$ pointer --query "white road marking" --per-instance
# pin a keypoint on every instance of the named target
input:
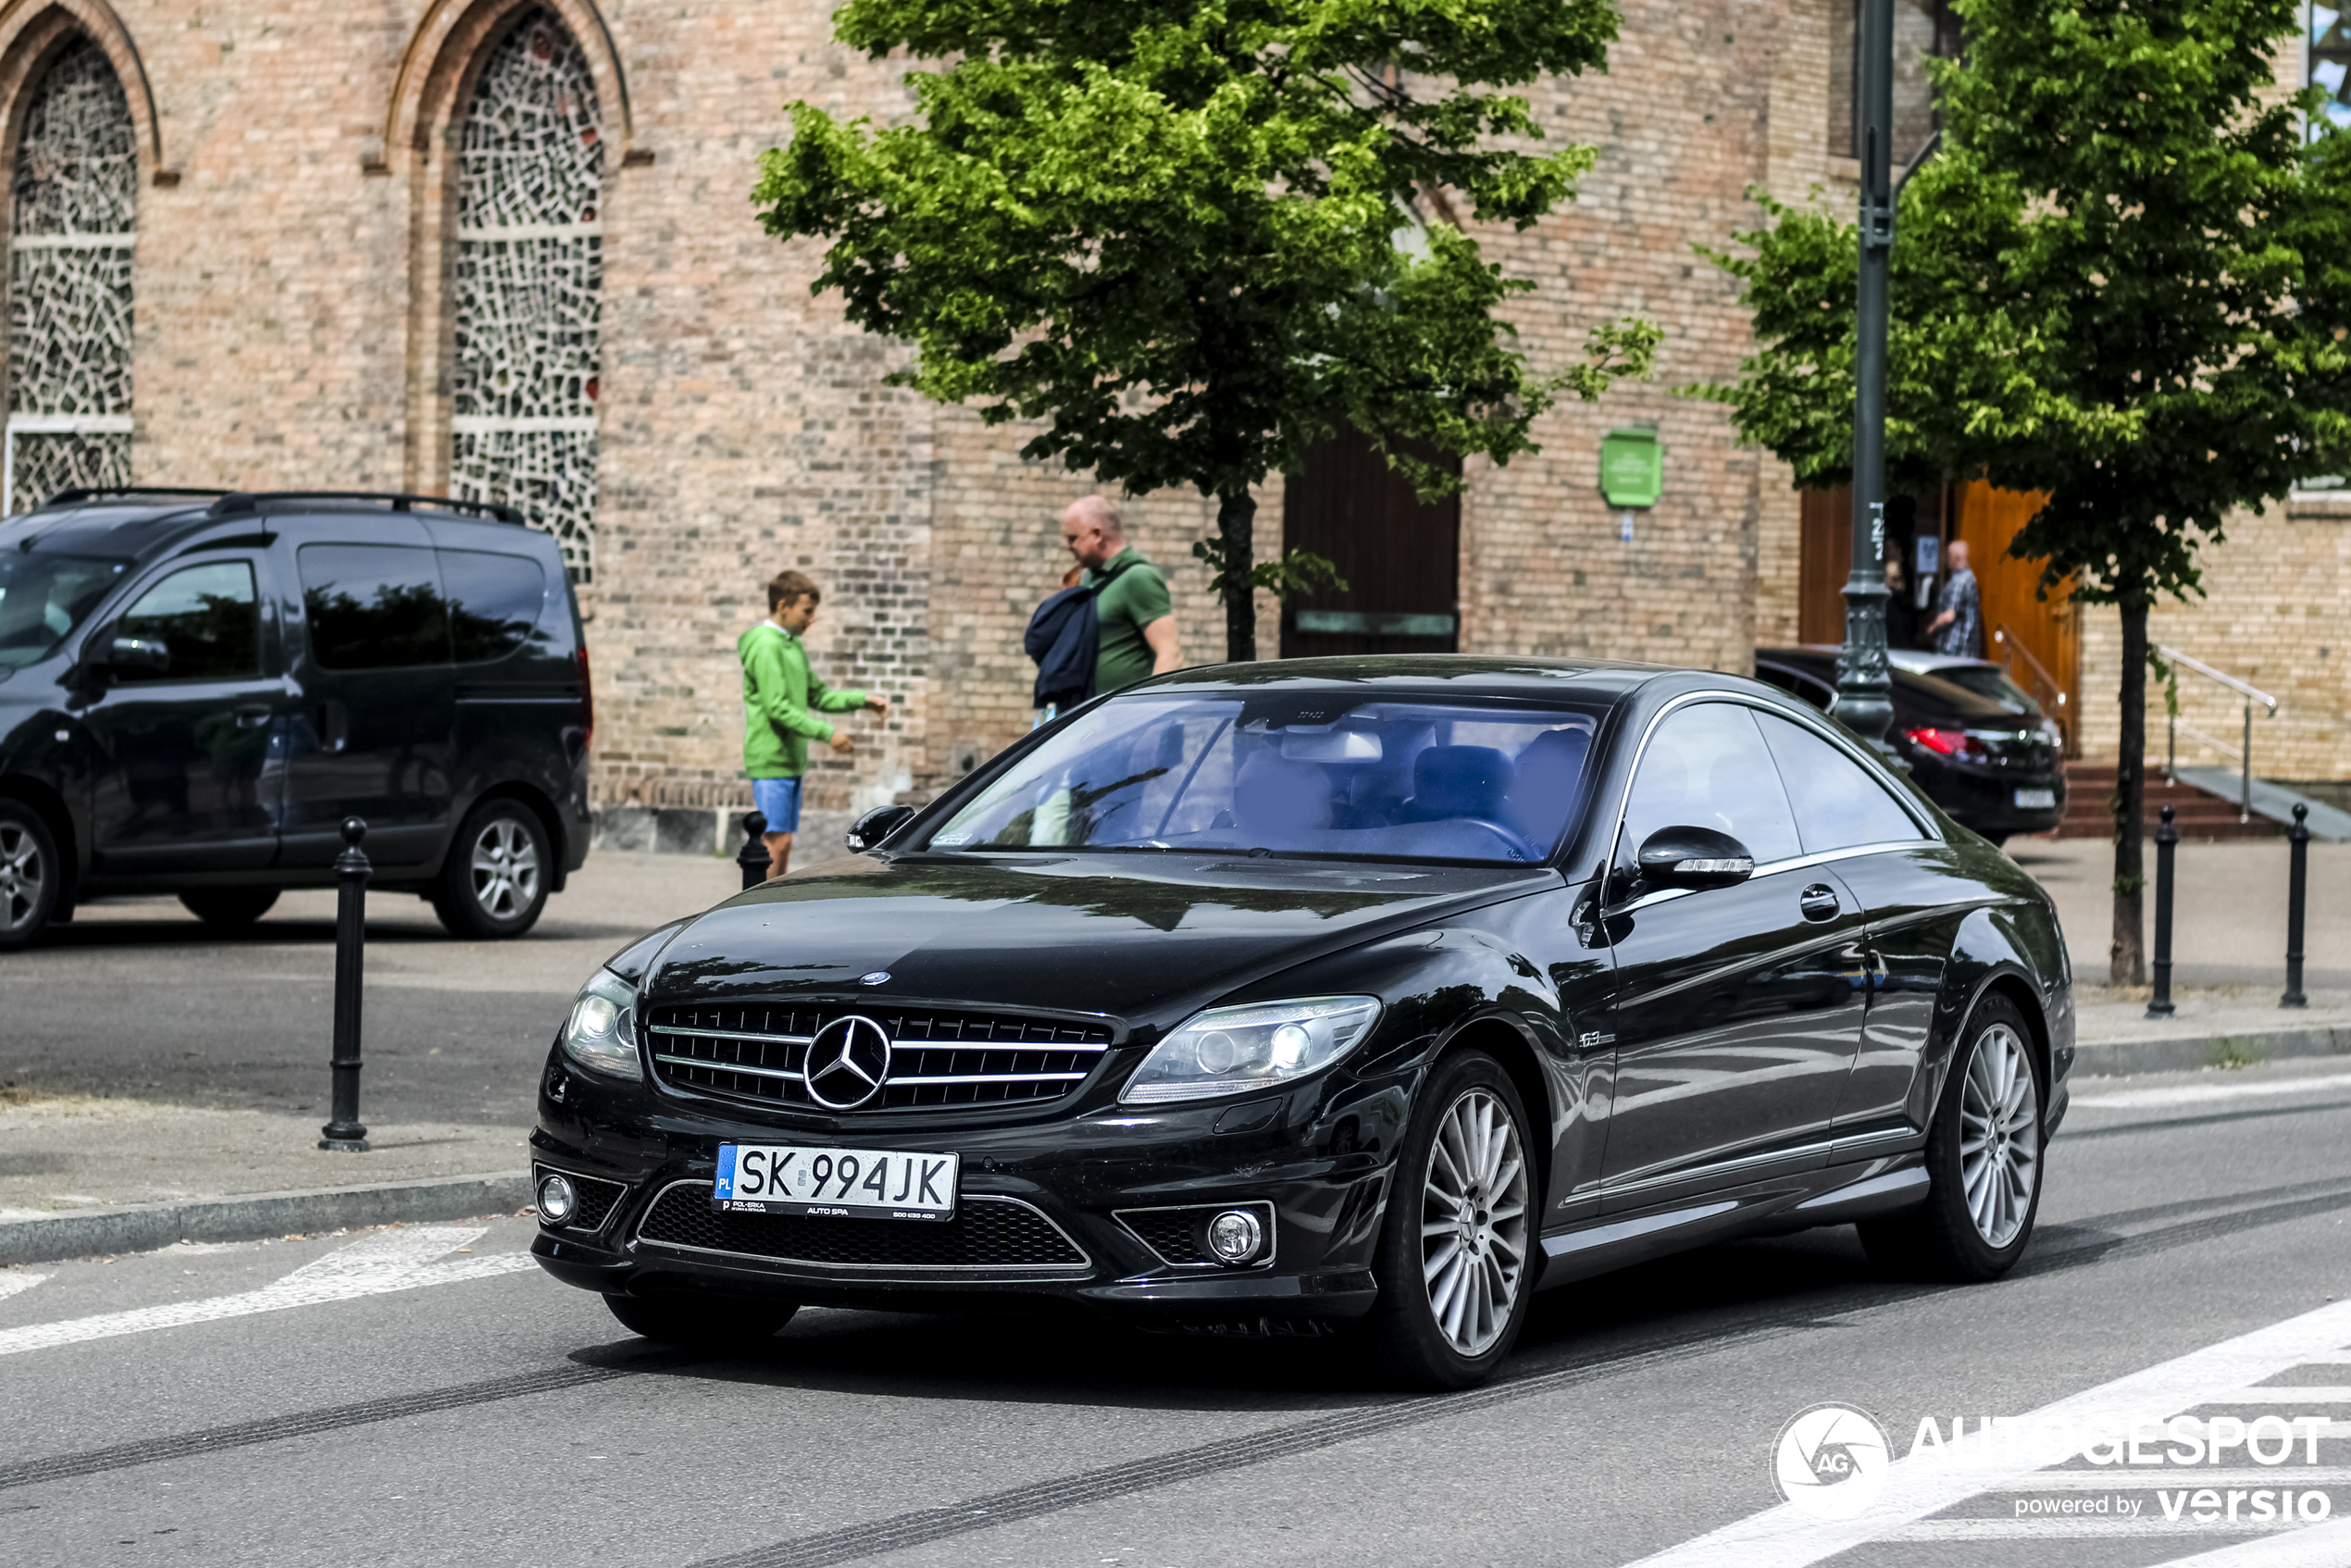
(2321, 1545)
(389, 1260)
(1928, 1481)
(2197, 1094)
(15, 1284)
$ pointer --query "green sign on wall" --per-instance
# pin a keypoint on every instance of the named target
(1632, 466)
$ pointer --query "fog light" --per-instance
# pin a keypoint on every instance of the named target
(558, 1199)
(1234, 1237)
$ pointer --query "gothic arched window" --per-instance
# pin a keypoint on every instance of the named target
(528, 285)
(74, 206)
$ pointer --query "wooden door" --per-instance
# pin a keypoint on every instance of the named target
(1400, 558)
(2039, 639)
(1824, 554)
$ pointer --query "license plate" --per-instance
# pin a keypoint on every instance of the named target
(2037, 800)
(869, 1184)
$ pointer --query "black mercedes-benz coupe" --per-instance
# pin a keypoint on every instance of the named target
(1352, 996)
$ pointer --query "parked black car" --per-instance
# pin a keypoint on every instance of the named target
(197, 689)
(1994, 765)
(1361, 995)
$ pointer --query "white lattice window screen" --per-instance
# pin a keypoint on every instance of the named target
(527, 287)
(74, 205)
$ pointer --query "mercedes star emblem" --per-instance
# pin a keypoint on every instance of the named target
(847, 1062)
(879, 977)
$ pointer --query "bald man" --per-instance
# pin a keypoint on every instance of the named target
(1958, 626)
(1131, 603)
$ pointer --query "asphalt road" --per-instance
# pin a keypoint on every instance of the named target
(425, 1396)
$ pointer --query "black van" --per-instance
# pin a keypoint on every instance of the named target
(197, 689)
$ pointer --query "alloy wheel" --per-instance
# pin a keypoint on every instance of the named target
(1473, 1222)
(1999, 1136)
(505, 868)
(22, 875)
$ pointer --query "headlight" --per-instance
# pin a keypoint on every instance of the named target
(600, 1034)
(1233, 1050)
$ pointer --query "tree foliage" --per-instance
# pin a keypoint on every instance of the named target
(2123, 283)
(1169, 232)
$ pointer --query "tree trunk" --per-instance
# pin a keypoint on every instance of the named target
(1237, 529)
(2128, 965)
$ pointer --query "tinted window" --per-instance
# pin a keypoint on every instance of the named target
(1837, 804)
(200, 624)
(373, 606)
(1796, 685)
(43, 597)
(1295, 772)
(494, 602)
(1706, 766)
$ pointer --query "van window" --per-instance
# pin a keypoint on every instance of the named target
(200, 624)
(494, 602)
(373, 606)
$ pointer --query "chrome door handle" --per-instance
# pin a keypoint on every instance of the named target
(254, 715)
(1819, 902)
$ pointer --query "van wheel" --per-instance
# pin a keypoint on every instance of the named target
(29, 873)
(229, 908)
(493, 882)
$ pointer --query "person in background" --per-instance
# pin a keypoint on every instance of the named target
(1901, 616)
(1957, 626)
(1131, 605)
(782, 700)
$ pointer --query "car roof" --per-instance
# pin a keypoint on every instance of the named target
(1912, 688)
(143, 524)
(1481, 675)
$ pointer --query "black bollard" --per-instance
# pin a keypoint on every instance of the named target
(2298, 885)
(351, 872)
(2167, 843)
(753, 856)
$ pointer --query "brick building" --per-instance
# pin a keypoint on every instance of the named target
(504, 248)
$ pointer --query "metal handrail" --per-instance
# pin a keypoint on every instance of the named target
(2251, 694)
(2048, 683)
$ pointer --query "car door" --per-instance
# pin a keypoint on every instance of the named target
(378, 703)
(1905, 881)
(186, 726)
(1737, 1011)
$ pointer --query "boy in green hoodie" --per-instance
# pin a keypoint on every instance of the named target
(782, 700)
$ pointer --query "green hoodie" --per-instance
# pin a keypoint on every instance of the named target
(782, 700)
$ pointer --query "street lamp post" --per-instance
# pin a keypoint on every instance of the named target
(1863, 686)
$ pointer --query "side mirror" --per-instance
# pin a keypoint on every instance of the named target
(136, 656)
(1694, 857)
(868, 831)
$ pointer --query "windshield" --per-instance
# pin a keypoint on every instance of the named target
(1298, 773)
(43, 598)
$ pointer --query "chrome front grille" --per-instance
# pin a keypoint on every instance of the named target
(937, 1059)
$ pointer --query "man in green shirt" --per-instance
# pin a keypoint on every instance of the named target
(1131, 606)
(782, 700)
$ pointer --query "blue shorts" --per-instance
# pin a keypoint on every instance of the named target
(778, 800)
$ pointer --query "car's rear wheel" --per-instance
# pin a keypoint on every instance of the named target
(493, 882)
(709, 1322)
(29, 873)
(1984, 1160)
(231, 908)
(1455, 1244)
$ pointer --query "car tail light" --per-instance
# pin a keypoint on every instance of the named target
(587, 700)
(1949, 742)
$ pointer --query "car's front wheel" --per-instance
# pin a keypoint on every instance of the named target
(1984, 1160)
(713, 1322)
(29, 873)
(494, 881)
(1455, 1245)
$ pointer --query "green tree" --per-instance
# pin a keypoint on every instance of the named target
(2122, 283)
(1183, 235)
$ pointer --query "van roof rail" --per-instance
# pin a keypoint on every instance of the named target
(235, 501)
(91, 492)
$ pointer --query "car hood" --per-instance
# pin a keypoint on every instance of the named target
(1093, 933)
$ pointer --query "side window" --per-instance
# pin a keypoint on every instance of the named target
(1796, 685)
(1837, 804)
(1705, 766)
(373, 606)
(494, 602)
(200, 624)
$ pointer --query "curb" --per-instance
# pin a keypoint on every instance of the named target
(2181, 1053)
(143, 1227)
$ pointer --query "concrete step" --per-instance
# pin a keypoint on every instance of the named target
(2198, 812)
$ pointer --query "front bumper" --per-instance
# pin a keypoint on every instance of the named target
(1085, 1189)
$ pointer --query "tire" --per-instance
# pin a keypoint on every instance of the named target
(1453, 1300)
(29, 873)
(494, 881)
(707, 1322)
(1985, 1160)
(229, 908)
